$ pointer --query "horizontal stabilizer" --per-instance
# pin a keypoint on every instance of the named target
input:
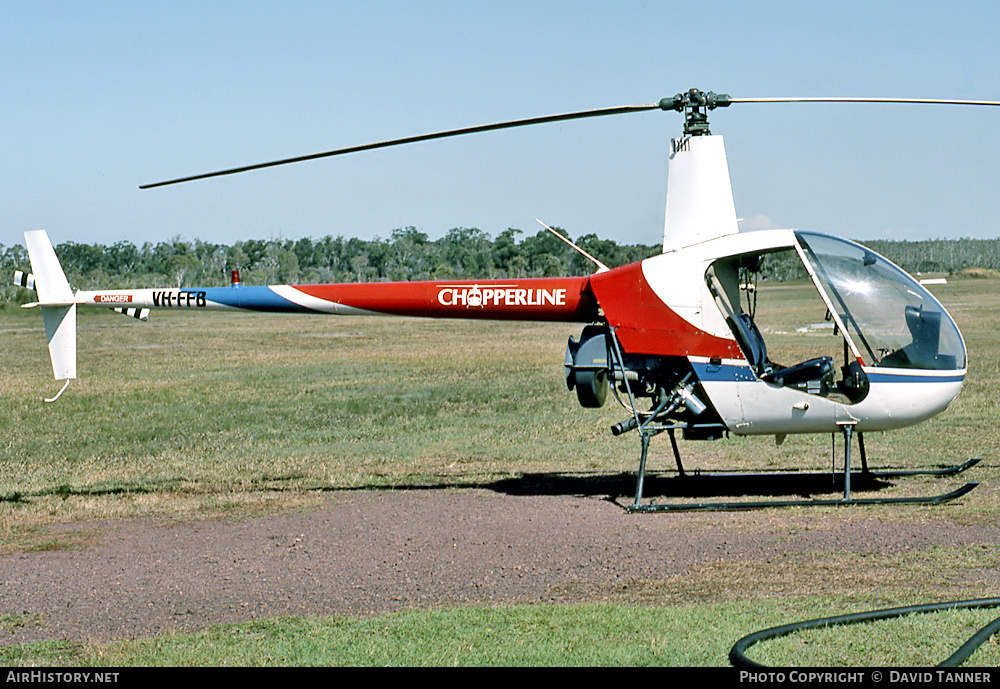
(132, 312)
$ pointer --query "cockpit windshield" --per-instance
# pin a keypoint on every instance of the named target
(892, 320)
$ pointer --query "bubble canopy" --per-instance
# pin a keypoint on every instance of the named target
(890, 318)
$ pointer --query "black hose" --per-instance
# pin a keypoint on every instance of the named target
(738, 657)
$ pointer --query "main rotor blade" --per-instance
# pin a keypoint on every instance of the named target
(824, 99)
(414, 139)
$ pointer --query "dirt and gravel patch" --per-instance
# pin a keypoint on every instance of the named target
(370, 553)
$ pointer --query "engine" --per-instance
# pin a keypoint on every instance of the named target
(594, 365)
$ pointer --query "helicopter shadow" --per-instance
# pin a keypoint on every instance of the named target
(689, 485)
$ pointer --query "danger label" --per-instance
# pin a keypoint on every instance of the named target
(113, 298)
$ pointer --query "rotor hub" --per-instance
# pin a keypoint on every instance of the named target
(695, 105)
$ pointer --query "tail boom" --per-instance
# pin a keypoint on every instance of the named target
(562, 299)
(549, 299)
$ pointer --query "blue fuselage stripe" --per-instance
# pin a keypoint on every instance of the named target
(874, 377)
(254, 298)
(735, 373)
(723, 373)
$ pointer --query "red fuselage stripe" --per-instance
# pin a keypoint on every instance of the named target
(531, 299)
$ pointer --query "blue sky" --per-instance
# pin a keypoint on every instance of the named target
(99, 97)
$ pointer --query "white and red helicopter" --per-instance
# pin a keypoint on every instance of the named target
(676, 329)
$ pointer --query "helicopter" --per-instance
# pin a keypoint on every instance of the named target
(674, 338)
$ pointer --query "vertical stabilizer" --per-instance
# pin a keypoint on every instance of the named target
(58, 304)
(699, 194)
(60, 328)
(50, 280)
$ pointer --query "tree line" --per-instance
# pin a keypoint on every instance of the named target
(408, 254)
(940, 256)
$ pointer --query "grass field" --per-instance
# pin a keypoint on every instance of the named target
(197, 415)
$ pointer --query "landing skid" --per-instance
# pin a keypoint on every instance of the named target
(763, 504)
(952, 470)
(646, 433)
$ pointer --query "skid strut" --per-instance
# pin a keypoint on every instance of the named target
(647, 431)
(848, 429)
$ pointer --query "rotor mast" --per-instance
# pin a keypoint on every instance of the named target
(700, 202)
